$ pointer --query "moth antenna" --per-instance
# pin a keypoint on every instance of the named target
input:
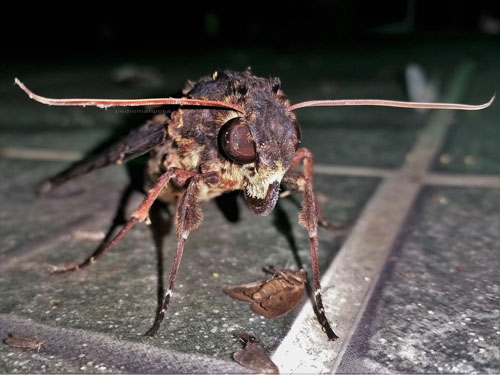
(105, 103)
(390, 103)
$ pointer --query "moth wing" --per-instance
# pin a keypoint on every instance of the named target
(138, 142)
(19, 336)
(243, 292)
(280, 303)
(20, 341)
(254, 358)
(15, 341)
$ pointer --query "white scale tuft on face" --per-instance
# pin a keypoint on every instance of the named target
(257, 184)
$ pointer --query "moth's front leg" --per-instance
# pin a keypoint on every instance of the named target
(308, 218)
(305, 156)
(188, 217)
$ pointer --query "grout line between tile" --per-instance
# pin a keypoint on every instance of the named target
(466, 180)
(346, 170)
(29, 153)
(459, 180)
(435, 179)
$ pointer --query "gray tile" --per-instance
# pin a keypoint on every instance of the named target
(474, 145)
(435, 308)
(355, 140)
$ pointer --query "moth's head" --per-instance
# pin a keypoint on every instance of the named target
(262, 141)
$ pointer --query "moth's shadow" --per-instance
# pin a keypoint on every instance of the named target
(284, 226)
(162, 218)
(161, 225)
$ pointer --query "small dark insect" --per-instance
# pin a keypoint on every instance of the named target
(252, 356)
(17, 340)
(274, 297)
(231, 131)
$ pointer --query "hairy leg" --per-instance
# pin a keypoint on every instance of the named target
(308, 218)
(187, 218)
(303, 155)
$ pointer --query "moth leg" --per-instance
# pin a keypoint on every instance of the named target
(188, 217)
(308, 218)
(276, 272)
(305, 156)
(178, 176)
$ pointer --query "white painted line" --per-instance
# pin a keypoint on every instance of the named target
(346, 170)
(436, 179)
(459, 180)
(465, 180)
(39, 154)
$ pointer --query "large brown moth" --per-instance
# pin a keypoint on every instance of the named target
(231, 131)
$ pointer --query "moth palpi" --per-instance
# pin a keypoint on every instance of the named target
(230, 131)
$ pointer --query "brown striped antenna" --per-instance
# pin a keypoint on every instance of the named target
(106, 103)
(389, 103)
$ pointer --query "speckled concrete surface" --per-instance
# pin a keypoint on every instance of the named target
(436, 308)
(82, 351)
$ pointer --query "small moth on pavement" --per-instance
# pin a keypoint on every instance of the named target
(274, 297)
(17, 340)
(252, 356)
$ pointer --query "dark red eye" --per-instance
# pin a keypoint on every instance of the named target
(298, 134)
(237, 142)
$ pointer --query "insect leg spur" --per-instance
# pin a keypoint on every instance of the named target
(308, 218)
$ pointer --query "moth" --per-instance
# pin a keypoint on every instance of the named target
(252, 356)
(17, 340)
(230, 131)
(274, 297)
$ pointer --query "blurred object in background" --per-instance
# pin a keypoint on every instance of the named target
(489, 25)
(419, 87)
(137, 76)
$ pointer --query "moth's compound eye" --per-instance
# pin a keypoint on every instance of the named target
(236, 142)
(297, 132)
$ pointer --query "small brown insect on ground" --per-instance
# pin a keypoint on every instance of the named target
(274, 297)
(17, 340)
(252, 356)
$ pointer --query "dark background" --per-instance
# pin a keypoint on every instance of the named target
(93, 29)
